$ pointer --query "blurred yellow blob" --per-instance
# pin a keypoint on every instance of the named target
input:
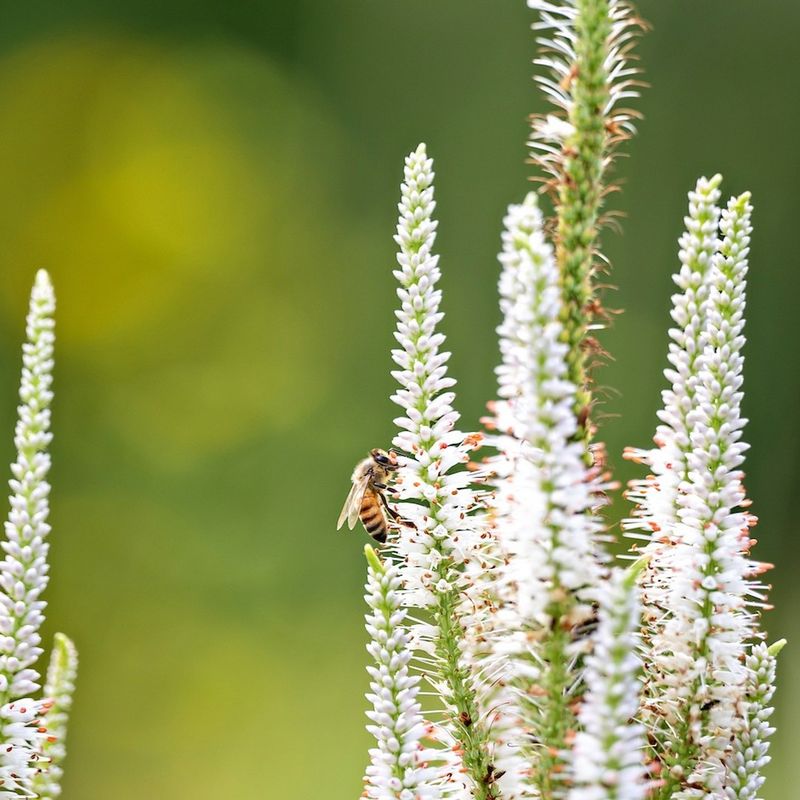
(169, 193)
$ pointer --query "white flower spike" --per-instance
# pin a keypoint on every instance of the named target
(743, 778)
(699, 585)
(59, 688)
(544, 499)
(23, 571)
(398, 767)
(657, 496)
(435, 494)
(608, 760)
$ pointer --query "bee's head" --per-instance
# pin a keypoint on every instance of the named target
(387, 461)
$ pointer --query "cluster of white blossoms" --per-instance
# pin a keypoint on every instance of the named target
(23, 571)
(24, 736)
(700, 587)
(657, 496)
(559, 676)
(436, 499)
(607, 761)
(26, 733)
(543, 522)
(398, 767)
(750, 753)
(544, 493)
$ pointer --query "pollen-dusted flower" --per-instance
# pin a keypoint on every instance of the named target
(608, 755)
(435, 494)
(58, 689)
(544, 498)
(398, 767)
(23, 571)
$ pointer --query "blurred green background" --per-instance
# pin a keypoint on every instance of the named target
(212, 186)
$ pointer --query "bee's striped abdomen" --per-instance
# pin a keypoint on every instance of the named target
(373, 517)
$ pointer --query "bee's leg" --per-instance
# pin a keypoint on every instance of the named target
(384, 488)
(389, 510)
(393, 514)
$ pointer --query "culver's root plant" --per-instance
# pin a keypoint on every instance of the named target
(32, 729)
(552, 672)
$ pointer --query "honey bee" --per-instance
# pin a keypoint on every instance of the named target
(367, 498)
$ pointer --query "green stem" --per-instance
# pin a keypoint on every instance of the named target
(557, 719)
(469, 729)
(580, 193)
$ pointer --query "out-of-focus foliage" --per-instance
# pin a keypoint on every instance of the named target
(212, 186)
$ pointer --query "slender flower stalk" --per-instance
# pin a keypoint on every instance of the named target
(435, 491)
(23, 571)
(743, 778)
(609, 750)
(586, 49)
(657, 497)
(398, 768)
(702, 576)
(544, 497)
(59, 688)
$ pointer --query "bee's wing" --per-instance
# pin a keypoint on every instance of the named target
(352, 506)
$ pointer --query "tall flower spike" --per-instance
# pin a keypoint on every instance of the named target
(657, 496)
(23, 572)
(434, 489)
(609, 750)
(544, 500)
(750, 752)
(700, 586)
(586, 49)
(398, 768)
(58, 688)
